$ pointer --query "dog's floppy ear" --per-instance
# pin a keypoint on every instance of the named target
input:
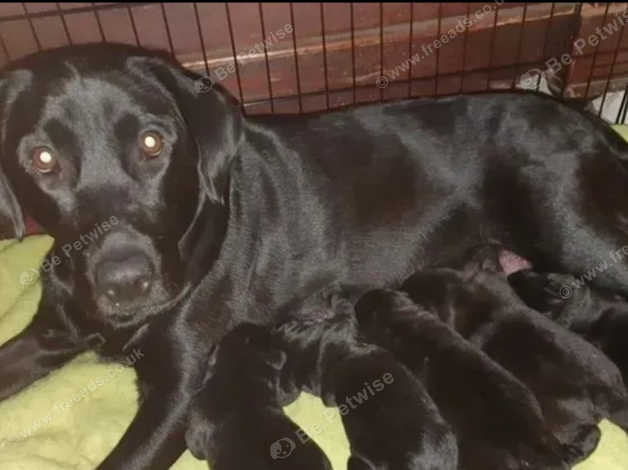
(11, 216)
(212, 115)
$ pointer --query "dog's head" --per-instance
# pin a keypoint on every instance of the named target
(122, 156)
(385, 316)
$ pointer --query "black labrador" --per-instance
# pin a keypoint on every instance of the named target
(575, 384)
(225, 218)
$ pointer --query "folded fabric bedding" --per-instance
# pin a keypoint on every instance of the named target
(73, 417)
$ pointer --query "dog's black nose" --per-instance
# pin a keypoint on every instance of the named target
(124, 281)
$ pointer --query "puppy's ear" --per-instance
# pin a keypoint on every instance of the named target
(211, 114)
(11, 216)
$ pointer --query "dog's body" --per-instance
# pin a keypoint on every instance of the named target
(575, 384)
(497, 421)
(238, 219)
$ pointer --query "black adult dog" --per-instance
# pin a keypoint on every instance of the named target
(224, 218)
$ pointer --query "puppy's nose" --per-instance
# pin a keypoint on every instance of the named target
(124, 281)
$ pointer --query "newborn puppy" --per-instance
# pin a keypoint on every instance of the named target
(496, 419)
(601, 317)
(236, 421)
(574, 382)
(390, 421)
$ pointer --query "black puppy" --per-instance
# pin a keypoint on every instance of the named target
(600, 316)
(390, 420)
(236, 421)
(496, 419)
(575, 384)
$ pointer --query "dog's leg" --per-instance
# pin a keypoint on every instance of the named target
(155, 438)
(169, 368)
(36, 351)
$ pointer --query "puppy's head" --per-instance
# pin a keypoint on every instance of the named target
(379, 311)
(547, 293)
(242, 377)
(122, 157)
(473, 291)
(246, 362)
(568, 300)
(435, 289)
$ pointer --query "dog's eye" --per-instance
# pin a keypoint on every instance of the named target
(151, 143)
(44, 160)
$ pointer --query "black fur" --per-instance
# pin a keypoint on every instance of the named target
(497, 421)
(575, 384)
(390, 420)
(236, 421)
(599, 316)
(243, 218)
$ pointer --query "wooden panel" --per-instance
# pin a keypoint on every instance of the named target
(480, 45)
(38, 7)
(151, 28)
(600, 33)
(83, 27)
(50, 32)
(11, 8)
(18, 38)
(116, 25)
